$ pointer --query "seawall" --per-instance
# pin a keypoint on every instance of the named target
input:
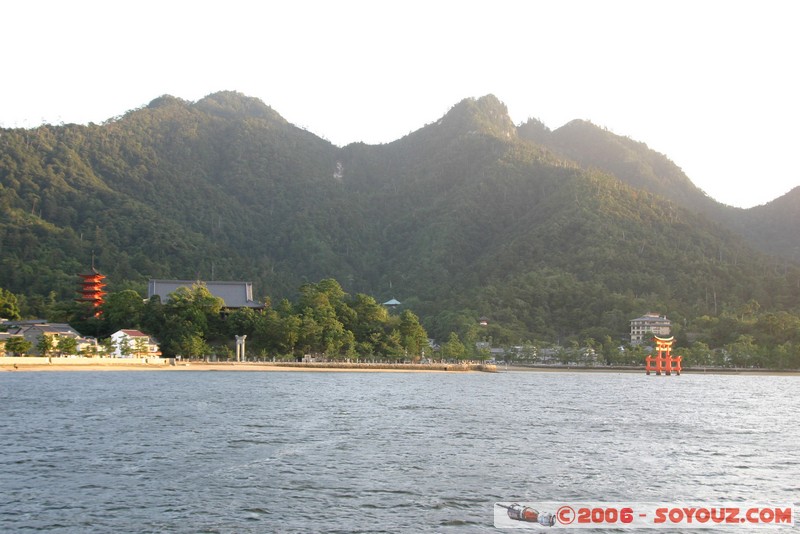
(455, 367)
(23, 362)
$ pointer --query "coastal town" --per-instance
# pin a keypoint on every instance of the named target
(38, 343)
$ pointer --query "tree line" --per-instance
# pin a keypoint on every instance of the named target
(457, 219)
(325, 321)
(192, 323)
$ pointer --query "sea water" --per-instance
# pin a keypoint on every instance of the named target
(238, 452)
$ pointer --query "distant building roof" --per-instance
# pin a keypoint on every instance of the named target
(652, 318)
(233, 294)
(48, 328)
(131, 333)
(393, 302)
(26, 322)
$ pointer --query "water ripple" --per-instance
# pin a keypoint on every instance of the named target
(372, 452)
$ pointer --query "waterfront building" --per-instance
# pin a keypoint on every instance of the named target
(648, 325)
(33, 330)
(129, 343)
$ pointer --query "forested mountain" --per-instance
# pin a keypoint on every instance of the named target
(770, 228)
(548, 233)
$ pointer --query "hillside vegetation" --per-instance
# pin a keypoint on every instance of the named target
(550, 234)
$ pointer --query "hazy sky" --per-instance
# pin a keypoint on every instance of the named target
(711, 84)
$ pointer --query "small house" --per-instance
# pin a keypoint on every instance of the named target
(130, 343)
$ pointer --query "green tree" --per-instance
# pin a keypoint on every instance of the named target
(18, 345)
(777, 328)
(697, 354)
(471, 338)
(140, 347)
(107, 347)
(280, 329)
(244, 321)
(748, 309)
(196, 305)
(123, 309)
(191, 317)
(743, 351)
(309, 333)
(392, 345)
(190, 346)
(9, 308)
(413, 337)
(89, 350)
(291, 326)
(370, 318)
(453, 348)
(125, 348)
(322, 330)
(154, 317)
(610, 351)
(67, 346)
(45, 345)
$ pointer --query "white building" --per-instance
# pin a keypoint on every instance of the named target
(648, 325)
(134, 344)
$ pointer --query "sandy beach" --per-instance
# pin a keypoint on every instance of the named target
(23, 365)
(115, 364)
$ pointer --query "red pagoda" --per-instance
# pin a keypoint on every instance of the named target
(92, 289)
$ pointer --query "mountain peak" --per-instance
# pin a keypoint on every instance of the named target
(534, 130)
(164, 101)
(485, 115)
(236, 105)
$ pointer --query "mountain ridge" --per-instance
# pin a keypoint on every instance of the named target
(464, 217)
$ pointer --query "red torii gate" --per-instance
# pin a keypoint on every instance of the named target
(664, 361)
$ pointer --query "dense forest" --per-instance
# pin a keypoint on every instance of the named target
(558, 237)
(193, 323)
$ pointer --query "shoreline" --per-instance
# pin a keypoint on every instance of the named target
(641, 370)
(118, 364)
(32, 364)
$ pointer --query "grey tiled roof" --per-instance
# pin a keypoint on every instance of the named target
(234, 294)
